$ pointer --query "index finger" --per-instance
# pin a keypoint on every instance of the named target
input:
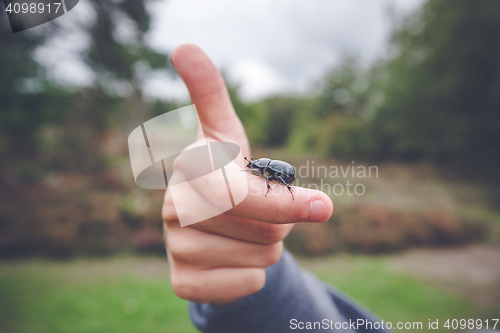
(209, 93)
(278, 207)
(208, 194)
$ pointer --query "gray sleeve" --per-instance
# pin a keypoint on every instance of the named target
(290, 297)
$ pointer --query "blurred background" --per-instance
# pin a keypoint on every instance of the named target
(411, 87)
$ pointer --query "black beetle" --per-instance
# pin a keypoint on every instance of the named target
(275, 170)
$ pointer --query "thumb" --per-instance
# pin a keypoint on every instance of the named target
(209, 94)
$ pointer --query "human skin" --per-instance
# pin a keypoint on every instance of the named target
(222, 259)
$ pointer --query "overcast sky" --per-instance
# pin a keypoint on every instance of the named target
(279, 45)
(269, 46)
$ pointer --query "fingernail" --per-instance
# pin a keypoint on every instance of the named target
(318, 211)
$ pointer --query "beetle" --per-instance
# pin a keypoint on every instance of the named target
(274, 170)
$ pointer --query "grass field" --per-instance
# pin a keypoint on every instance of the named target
(133, 294)
(398, 297)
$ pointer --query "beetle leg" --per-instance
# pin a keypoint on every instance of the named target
(288, 187)
(268, 186)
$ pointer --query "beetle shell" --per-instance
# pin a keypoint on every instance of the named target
(283, 169)
(261, 162)
(274, 170)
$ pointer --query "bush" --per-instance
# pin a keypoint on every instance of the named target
(68, 215)
(351, 139)
(441, 95)
(374, 229)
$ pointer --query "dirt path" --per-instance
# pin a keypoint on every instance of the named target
(472, 270)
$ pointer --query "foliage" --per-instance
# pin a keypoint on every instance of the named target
(374, 229)
(115, 57)
(26, 100)
(442, 95)
(335, 121)
(345, 89)
(79, 214)
(44, 126)
(351, 138)
(252, 117)
(339, 135)
(63, 152)
(69, 144)
(268, 122)
(436, 99)
(280, 112)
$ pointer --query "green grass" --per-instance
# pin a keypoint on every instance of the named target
(34, 300)
(395, 297)
(133, 294)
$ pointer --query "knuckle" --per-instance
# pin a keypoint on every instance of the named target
(274, 233)
(171, 241)
(168, 212)
(178, 163)
(180, 248)
(184, 286)
(273, 254)
(257, 281)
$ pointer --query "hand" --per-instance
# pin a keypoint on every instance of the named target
(223, 258)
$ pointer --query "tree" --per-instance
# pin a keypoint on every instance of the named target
(112, 58)
(442, 95)
(31, 105)
(345, 89)
(26, 100)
